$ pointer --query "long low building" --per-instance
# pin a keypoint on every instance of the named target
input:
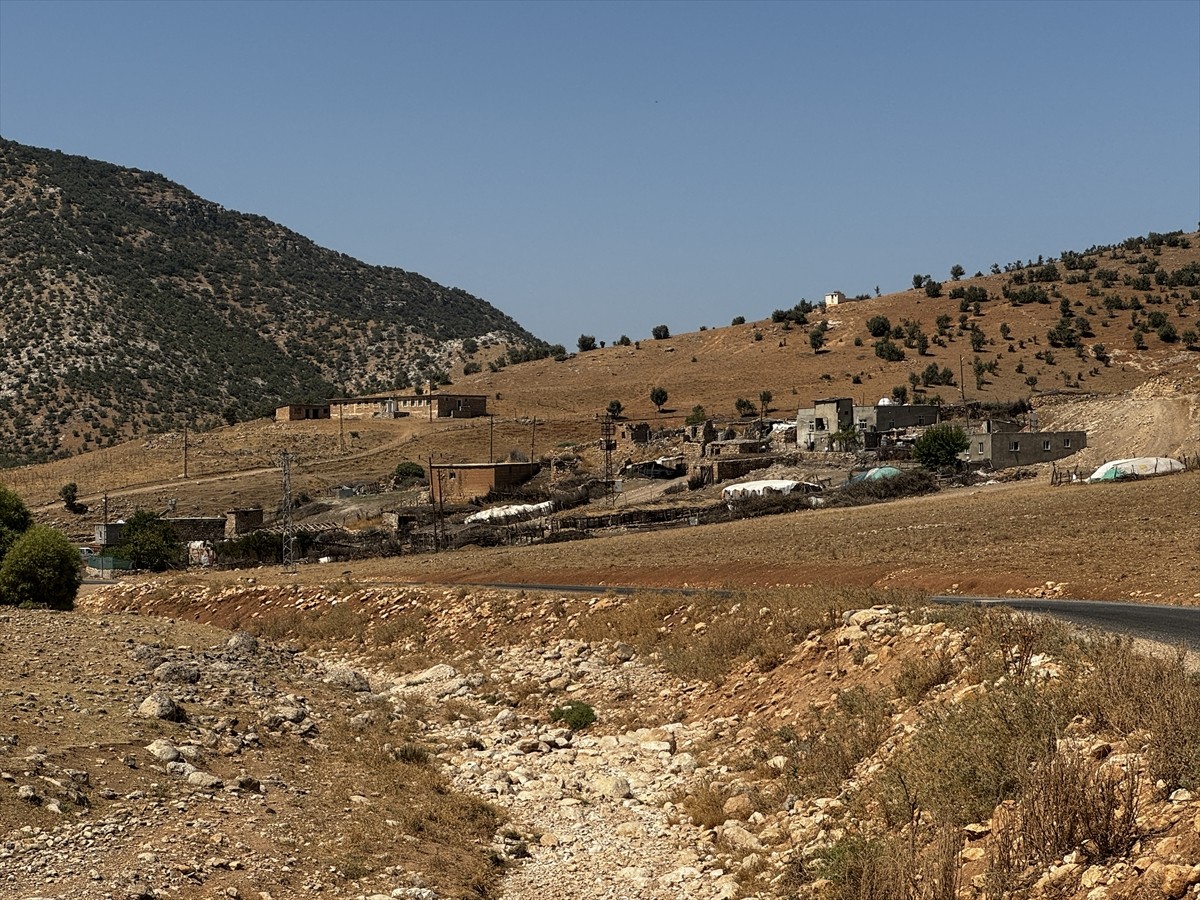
(1007, 449)
(437, 405)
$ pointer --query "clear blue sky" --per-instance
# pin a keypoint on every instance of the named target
(601, 168)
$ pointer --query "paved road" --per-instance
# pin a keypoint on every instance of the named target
(1169, 624)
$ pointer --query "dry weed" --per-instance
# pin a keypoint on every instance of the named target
(1133, 693)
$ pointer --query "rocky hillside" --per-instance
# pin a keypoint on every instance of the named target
(786, 744)
(130, 304)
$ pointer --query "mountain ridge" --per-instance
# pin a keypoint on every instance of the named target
(132, 304)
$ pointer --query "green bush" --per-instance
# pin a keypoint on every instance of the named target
(409, 471)
(939, 446)
(14, 519)
(878, 326)
(886, 349)
(150, 543)
(575, 714)
(41, 568)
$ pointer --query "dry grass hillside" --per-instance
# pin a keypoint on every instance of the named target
(716, 366)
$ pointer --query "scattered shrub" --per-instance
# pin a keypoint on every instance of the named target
(575, 714)
(41, 567)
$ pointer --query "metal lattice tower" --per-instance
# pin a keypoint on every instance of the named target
(285, 512)
(607, 430)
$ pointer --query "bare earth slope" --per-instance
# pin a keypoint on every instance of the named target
(705, 777)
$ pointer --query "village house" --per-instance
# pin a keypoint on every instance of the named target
(833, 298)
(437, 405)
(817, 425)
(1000, 444)
(463, 482)
(298, 412)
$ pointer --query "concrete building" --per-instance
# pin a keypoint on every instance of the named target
(891, 416)
(833, 298)
(297, 412)
(394, 406)
(243, 521)
(817, 424)
(464, 482)
(1005, 449)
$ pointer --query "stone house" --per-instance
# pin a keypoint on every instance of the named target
(463, 482)
(297, 412)
(394, 406)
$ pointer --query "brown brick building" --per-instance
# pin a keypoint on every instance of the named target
(463, 482)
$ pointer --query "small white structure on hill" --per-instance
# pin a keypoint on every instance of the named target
(833, 298)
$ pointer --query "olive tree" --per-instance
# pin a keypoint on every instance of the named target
(939, 446)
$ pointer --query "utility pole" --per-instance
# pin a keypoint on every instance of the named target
(185, 450)
(962, 384)
(533, 441)
(342, 424)
(491, 437)
(289, 528)
(607, 430)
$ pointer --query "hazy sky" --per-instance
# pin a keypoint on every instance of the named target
(601, 168)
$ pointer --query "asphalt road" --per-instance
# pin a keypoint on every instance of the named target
(1168, 624)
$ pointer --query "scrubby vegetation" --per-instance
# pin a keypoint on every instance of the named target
(149, 307)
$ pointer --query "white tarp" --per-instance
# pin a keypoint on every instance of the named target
(498, 515)
(758, 488)
(1142, 466)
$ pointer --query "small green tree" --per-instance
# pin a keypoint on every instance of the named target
(586, 342)
(409, 471)
(658, 396)
(888, 350)
(697, 415)
(933, 288)
(939, 446)
(14, 519)
(738, 320)
(660, 332)
(816, 339)
(977, 338)
(624, 341)
(615, 408)
(743, 406)
(878, 326)
(69, 494)
(979, 368)
(957, 272)
(765, 398)
(41, 567)
(150, 543)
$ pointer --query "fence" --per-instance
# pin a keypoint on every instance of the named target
(1073, 475)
